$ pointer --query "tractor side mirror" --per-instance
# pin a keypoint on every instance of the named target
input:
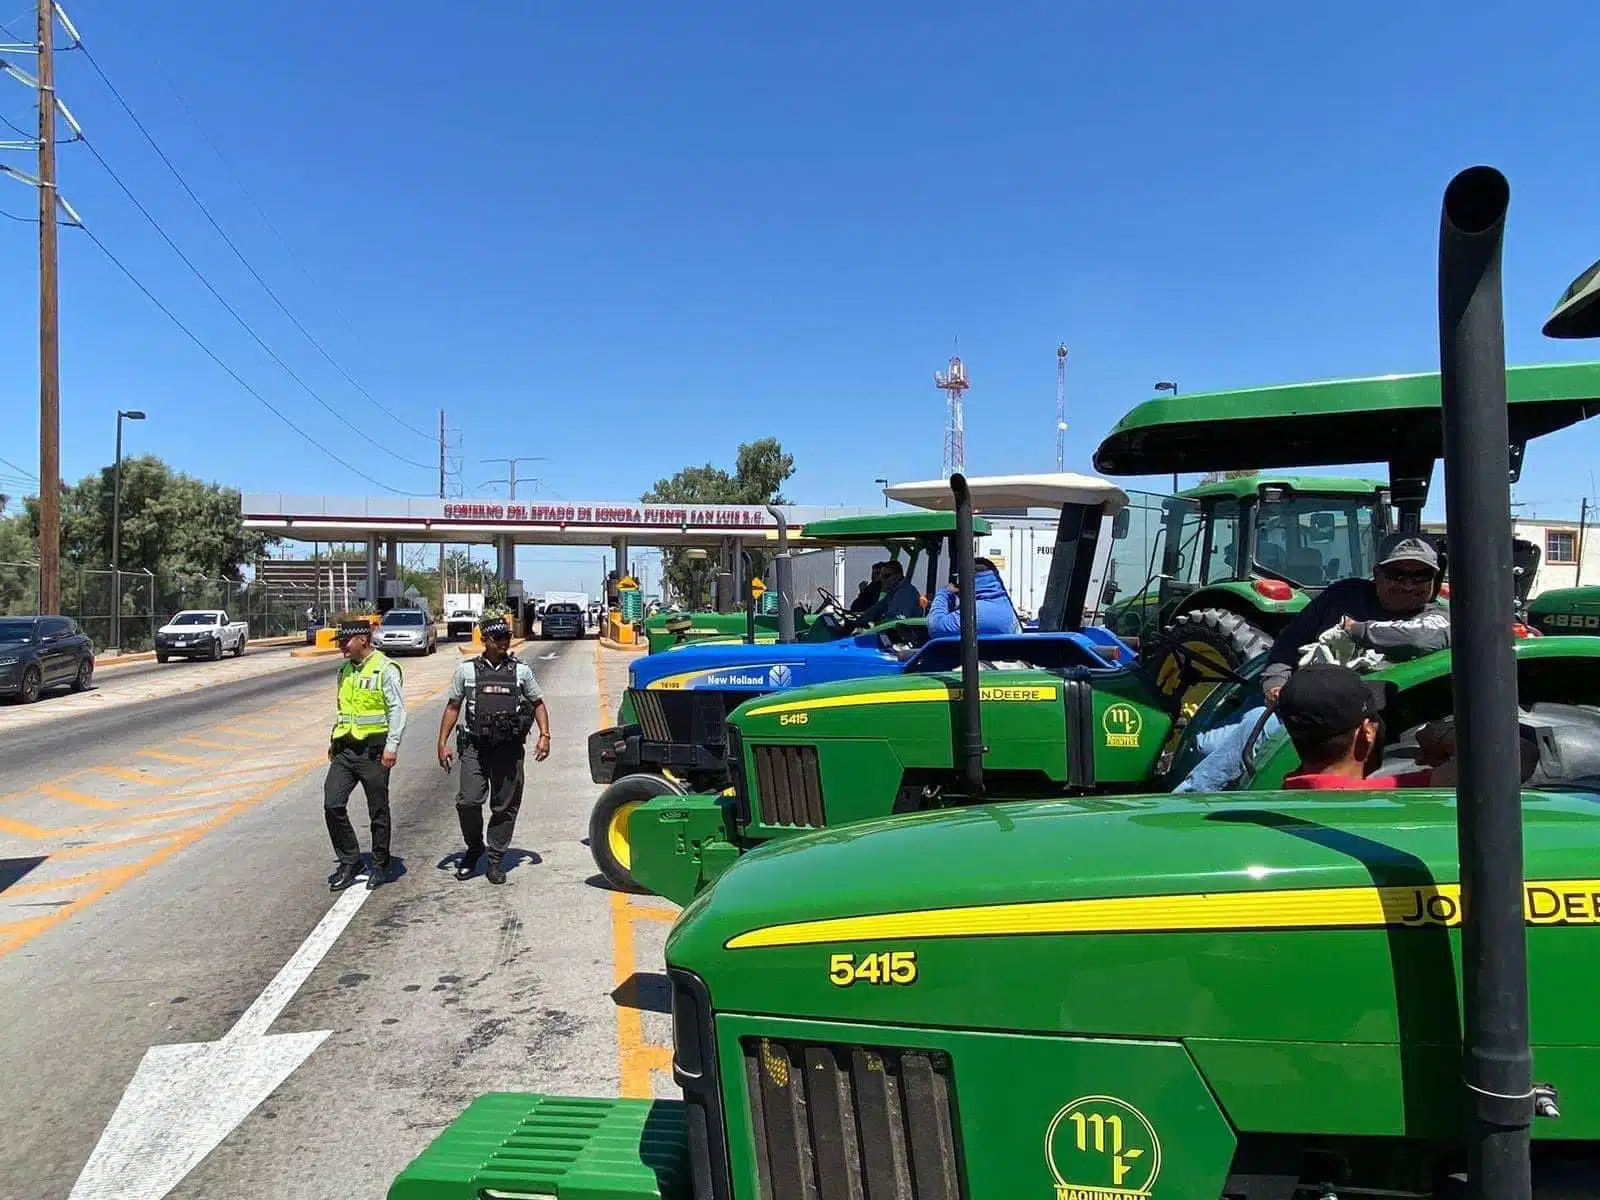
(1577, 313)
(1121, 524)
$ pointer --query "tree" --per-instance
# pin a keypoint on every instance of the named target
(173, 525)
(761, 468)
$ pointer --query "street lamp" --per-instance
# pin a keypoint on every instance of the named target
(885, 483)
(132, 414)
(1167, 385)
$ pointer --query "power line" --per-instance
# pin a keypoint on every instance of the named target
(212, 355)
(239, 254)
(243, 324)
(26, 474)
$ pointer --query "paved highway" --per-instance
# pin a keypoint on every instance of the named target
(189, 1012)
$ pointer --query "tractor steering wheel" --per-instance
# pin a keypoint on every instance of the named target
(829, 600)
(1247, 756)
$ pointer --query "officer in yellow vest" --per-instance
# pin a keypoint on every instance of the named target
(364, 745)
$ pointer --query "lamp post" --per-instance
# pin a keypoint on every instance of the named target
(132, 414)
(1166, 385)
(885, 483)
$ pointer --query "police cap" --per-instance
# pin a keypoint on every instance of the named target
(495, 629)
(350, 629)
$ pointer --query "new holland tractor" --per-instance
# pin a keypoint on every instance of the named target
(1272, 995)
(670, 739)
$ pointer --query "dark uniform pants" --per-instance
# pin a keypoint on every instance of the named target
(353, 763)
(494, 772)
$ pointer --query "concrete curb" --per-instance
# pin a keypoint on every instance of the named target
(124, 660)
(621, 649)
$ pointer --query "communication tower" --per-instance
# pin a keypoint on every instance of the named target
(1061, 407)
(953, 383)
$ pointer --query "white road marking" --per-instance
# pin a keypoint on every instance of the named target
(547, 657)
(184, 1099)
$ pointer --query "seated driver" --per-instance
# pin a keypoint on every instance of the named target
(996, 616)
(900, 599)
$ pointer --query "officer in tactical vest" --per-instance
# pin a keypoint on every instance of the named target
(503, 702)
(364, 745)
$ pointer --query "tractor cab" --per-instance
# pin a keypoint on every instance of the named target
(1234, 560)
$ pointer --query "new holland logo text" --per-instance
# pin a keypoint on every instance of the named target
(1102, 1148)
(780, 676)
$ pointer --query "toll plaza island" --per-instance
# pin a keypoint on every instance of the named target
(384, 524)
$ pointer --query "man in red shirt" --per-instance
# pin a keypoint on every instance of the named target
(1333, 718)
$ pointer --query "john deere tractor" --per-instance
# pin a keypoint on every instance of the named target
(1274, 995)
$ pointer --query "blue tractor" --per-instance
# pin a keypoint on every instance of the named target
(670, 735)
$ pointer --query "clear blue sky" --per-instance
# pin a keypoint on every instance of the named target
(709, 223)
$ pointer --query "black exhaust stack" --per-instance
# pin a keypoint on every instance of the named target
(1497, 1066)
(783, 578)
(971, 699)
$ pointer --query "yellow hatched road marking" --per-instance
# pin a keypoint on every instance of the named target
(83, 799)
(186, 760)
(208, 743)
(241, 731)
(136, 776)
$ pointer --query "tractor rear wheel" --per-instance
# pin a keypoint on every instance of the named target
(609, 841)
(1179, 656)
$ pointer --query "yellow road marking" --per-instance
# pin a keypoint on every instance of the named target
(187, 760)
(241, 731)
(136, 776)
(52, 885)
(83, 799)
(636, 1057)
(208, 743)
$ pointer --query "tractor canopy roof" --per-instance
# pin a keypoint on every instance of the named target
(1388, 417)
(1249, 485)
(885, 527)
(1011, 492)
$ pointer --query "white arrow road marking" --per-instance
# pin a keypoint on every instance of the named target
(547, 657)
(185, 1099)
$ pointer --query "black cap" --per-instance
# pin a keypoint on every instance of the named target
(350, 629)
(494, 629)
(1325, 701)
(1408, 547)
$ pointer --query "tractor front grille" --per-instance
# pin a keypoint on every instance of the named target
(852, 1122)
(789, 786)
(652, 718)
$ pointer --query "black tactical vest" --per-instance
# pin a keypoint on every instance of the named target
(496, 704)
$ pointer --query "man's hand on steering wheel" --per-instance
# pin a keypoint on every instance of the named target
(829, 600)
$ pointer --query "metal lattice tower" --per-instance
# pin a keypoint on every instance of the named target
(1061, 407)
(953, 383)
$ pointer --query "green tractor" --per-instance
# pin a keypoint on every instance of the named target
(1574, 610)
(1234, 559)
(1257, 996)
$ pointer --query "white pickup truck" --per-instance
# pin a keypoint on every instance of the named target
(200, 633)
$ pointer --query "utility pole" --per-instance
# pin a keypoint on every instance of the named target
(1061, 407)
(511, 472)
(49, 327)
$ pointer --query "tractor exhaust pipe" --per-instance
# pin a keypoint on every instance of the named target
(783, 578)
(1497, 1067)
(971, 698)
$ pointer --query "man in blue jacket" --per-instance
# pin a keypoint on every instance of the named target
(996, 615)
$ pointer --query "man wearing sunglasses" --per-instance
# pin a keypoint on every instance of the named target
(1396, 612)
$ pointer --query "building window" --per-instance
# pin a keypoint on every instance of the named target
(1560, 546)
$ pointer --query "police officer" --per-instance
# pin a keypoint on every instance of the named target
(503, 701)
(364, 745)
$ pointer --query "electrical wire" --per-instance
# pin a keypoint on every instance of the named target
(23, 471)
(18, 129)
(23, 220)
(239, 254)
(212, 355)
(243, 324)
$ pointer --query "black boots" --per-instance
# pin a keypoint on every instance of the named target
(494, 872)
(468, 863)
(344, 876)
(377, 876)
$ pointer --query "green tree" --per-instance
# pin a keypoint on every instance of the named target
(19, 571)
(761, 468)
(173, 525)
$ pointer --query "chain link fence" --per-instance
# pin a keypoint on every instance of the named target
(93, 598)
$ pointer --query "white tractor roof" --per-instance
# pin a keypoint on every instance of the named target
(991, 492)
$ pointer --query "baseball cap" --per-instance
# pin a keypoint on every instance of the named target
(1407, 547)
(350, 629)
(495, 629)
(1324, 700)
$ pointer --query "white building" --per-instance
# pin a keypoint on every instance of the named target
(1569, 555)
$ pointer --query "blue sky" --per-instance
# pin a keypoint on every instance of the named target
(708, 223)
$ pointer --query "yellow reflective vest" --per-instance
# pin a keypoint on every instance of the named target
(361, 708)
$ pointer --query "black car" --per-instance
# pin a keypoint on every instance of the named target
(561, 620)
(43, 652)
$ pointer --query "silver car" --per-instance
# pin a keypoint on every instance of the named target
(406, 631)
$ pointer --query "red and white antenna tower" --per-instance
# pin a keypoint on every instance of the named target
(953, 383)
(1061, 407)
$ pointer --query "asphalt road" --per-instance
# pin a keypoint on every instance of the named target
(162, 867)
(114, 677)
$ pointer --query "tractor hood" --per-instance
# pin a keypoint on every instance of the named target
(739, 666)
(1279, 914)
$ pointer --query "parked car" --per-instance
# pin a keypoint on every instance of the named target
(201, 633)
(460, 623)
(561, 619)
(37, 653)
(406, 631)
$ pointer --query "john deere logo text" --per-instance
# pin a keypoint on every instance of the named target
(1123, 725)
(1102, 1148)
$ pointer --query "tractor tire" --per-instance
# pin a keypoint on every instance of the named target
(608, 826)
(1205, 635)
